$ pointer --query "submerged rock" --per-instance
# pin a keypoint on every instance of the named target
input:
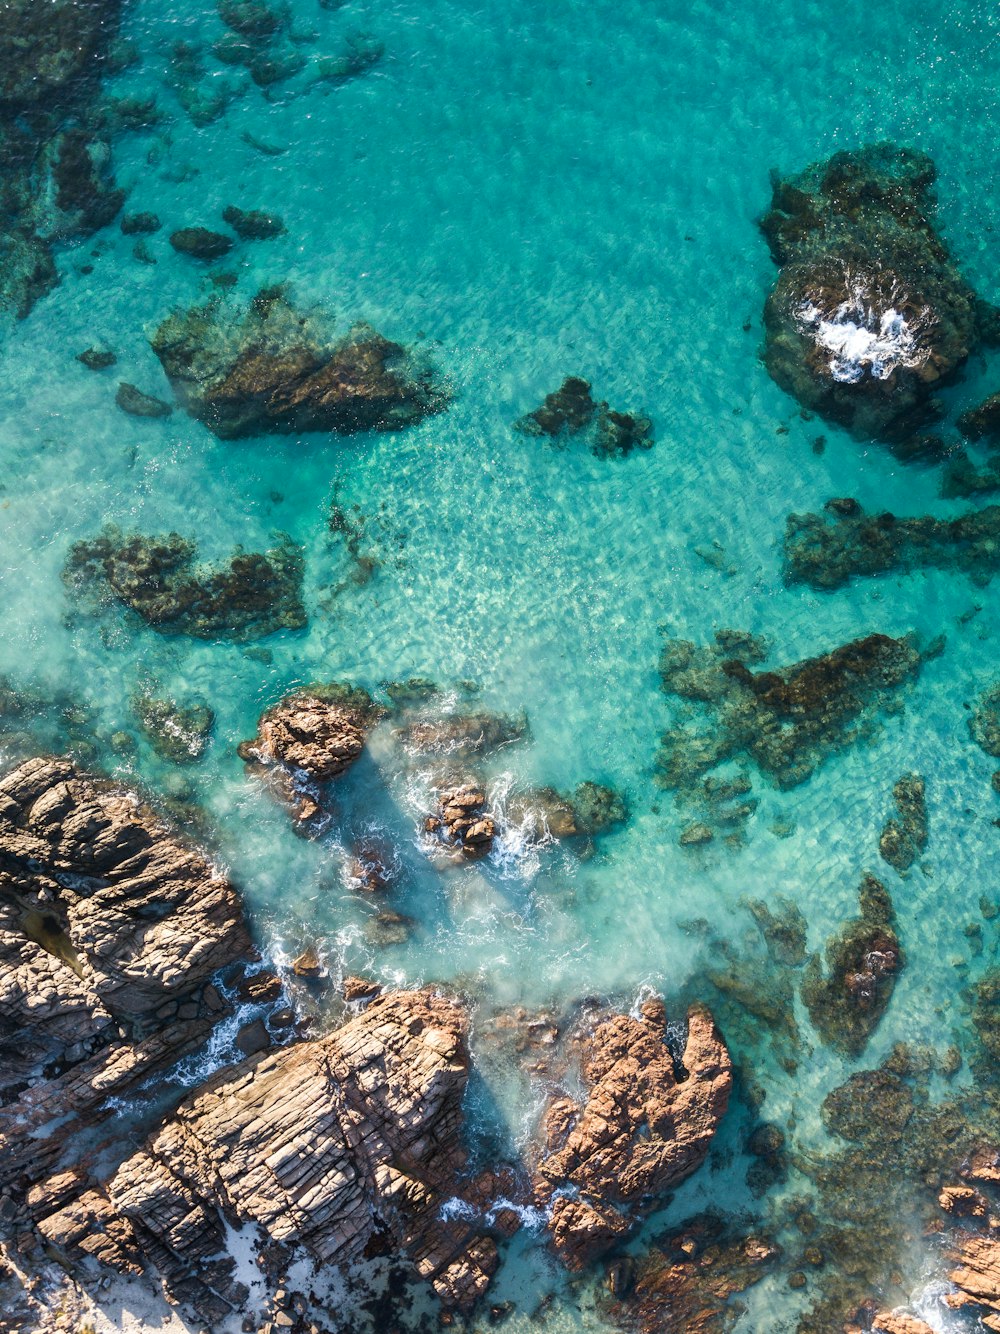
(137, 404)
(828, 550)
(110, 930)
(273, 369)
(640, 1129)
(97, 358)
(982, 421)
(571, 410)
(252, 224)
(984, 721)
(589, 810)
(688, 1279)
(904, 836)
(463, 735)
(306, 740)
(786, 720)
(864, 961)
(200, 243)
(177, 732)
(159, 578)
(869, 314)
(338, 1147)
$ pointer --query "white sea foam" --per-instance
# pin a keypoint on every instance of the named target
(861, 340)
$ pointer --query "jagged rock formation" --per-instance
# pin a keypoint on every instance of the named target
(463, 820)
(828, 550)
(110, 930)
(864, 960)
(256, 594)
(640, 1130)
(869, 314)
(305, 741)
(572, 411)
(272, 369)
(787, 720)
(335, 1146)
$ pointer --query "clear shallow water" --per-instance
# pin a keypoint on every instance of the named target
(532, 191)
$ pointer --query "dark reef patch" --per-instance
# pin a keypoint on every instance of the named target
(870, 314)
(255, 594)
(863, 963)
(178, 732)
(828, 550)
(572, 411)
(273, 369)
(904, 836)
(789, 720)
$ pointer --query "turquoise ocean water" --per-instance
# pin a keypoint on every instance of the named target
(531, 191)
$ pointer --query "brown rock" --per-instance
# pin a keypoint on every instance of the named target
(899, 1322)
(977, 1275)
(308, 964)
(464, 820)
(964, 1202)
(360, 988)
(641, 1130)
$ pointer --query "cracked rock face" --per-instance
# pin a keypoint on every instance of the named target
(641, 1129)
(333, 1146)
(110, 929)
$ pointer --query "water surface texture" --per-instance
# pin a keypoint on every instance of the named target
(528, 191)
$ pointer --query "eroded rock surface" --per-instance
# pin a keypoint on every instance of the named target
(335, 1146)
(641, 1129)
(256, 594)
(272, 369)
(869, 314)
(305, 741)
(110, 930)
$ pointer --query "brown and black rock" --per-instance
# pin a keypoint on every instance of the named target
(644, 1124)
(463, 820)
(571, 410)
(271, 369)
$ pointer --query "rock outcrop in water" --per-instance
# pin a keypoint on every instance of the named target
(271, 368)
(904, 836)
(305, 741)
(56, 181)
(572, 411)
(641, 1128)
(159, 578)
(864, 961)
(869, 315)
(463, 820)
(339, 1147)
(462, 736)
(110, 931)
(827, 550)
(786, 720)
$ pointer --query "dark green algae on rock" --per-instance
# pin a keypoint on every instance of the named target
(159, 578)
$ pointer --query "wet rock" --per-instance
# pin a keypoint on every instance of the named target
(863, 962)
(787, 720)
(640, 1129)
(253, 1037)
(463, 820)
(869, 314)
(308, 964)
(904, 837)
(463, 735)
(272, 369)
(828, 550)
(159, 578)
(899, 1322)
(689, 1278)
(571, 410)
(360, 988)
(976, 1277)
(97, 358)
(110, 930)
(140, 224)
(343, 1143)
(307, 740)
(982, 421)
(137, 404)
(201, 243)
(590, 810)
(252, 225)
(177, 732)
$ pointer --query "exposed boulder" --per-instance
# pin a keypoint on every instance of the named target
(787, 720)
(110, 930)
(159, 578)
(305, 741)
(864, 961)
(976, 1277)
(572, 411)
(463, 820)
(338, 1147)
(642, 1127)
(828, 550)
(273, 369)
(869, 314)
